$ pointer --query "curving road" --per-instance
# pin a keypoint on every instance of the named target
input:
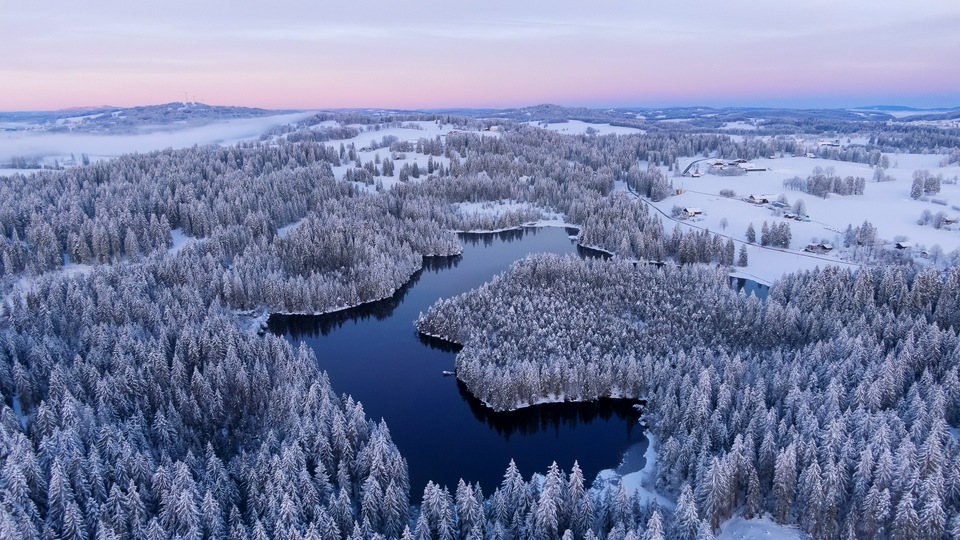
(692, 163)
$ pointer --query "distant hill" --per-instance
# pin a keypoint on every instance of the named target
(950, 114)
(901, 108)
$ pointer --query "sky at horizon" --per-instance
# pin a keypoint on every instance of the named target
(297, 54)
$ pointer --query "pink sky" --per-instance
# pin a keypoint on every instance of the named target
(433, 54)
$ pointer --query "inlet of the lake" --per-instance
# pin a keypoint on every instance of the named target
(374, 353)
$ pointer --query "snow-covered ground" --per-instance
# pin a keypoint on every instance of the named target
(577, 127)
(66, 148)
(636, 481)
(887, 205)
(72, 269)
(904, 113)
(180, 241)
(739, 125)
(642, 481)
(764, 528)
(18, 412)
(283, 231)
(501, 208)
(411, 132)
(253, 321)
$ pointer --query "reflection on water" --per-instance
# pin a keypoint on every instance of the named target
(436, 264)
(749, 286)
(374, 353)
(551, 417)
(487, 239)
(301, 327)
(438, 344)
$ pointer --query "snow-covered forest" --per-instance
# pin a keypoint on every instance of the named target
(138, 404)
(829, 404)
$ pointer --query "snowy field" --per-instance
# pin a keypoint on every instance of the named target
(66, 148)
(577, 127)
(887, 205)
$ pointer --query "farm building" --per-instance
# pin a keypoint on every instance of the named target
(750, 167)
(759, 199)
(818, 248)
(692, 212)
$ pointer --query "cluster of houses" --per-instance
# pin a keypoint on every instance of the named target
(763, 200)
(720, 165)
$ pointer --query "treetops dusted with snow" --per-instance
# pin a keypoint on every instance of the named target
(619, 308)
(142, 410)
(166, 419)
(830, 401)
(824, 182)
(237, 198)
(134, 406)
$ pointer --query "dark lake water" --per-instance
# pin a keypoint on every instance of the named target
(375, 354)
(750, 286)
